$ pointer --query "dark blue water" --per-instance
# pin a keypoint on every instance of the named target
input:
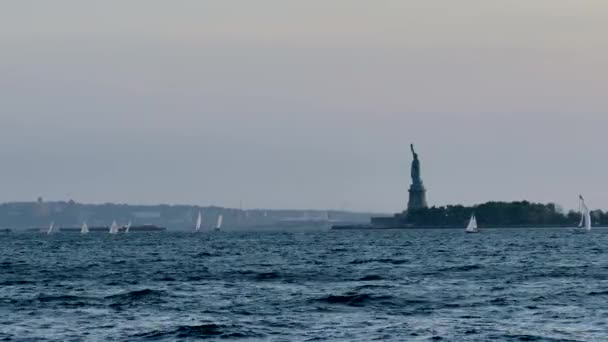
(500, 285)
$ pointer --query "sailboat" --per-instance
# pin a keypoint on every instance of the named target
(114, 228)
(472, 227)
(128, 227)
(585, 223)
(51, 227)
(587, 219)
(328, 220)
(220, 220)
(84, 229)
(199, 222)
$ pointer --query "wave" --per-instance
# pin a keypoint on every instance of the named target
(163, 275)
(119, 282)
(200, 331)
(204, 330)
(352, 300)
(118, 300)
(356, 299)
(267, 275)
(195, 278)
(166, 278)
(43, 298)
(524, 337)
(65, 301)
(372, 286)
(204, 254)
(464, 268)
(260, 276)
(16, 282)
(383, 260)
(500, 301)
(136, 297)
(601, 293)
(46, 299)
(380, 302)
(371, 277)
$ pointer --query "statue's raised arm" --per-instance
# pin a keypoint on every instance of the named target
(413, 152)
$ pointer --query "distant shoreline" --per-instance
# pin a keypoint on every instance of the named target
(370, 227)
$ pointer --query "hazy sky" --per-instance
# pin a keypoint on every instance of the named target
(303, 104)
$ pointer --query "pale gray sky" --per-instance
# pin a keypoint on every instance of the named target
(303, 104)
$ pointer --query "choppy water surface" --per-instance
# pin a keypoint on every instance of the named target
(415, 285)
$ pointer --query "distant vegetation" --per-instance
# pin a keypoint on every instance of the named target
(506, 214)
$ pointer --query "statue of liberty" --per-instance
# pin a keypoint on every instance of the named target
(417, 198)
(415, 167)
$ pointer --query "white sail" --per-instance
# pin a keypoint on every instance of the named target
(587, 216)
(114, 228)
(581, 205)
(220, 220)
(585, 223)
(199, 221)
(128, 227)
(51, 227)
(472, 226)
(588, 219)
(84, 229)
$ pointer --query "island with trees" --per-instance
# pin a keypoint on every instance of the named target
(519, 214)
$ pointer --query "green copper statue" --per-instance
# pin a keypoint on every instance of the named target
(415, 167)
(417, 191)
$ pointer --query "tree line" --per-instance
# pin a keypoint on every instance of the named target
(520, 213)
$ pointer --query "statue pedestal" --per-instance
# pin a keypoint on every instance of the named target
(417, 197)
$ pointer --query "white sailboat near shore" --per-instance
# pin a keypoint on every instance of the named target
(199, 222)
(51, 228)
(220, 221)
(472, 226)
(84, 229)
(114, 228)
(128, 227)
(585, 223)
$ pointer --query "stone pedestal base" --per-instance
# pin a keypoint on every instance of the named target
(417, 198)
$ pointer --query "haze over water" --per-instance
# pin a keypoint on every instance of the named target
(302, 105)
(408, 285)
(307, 104)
